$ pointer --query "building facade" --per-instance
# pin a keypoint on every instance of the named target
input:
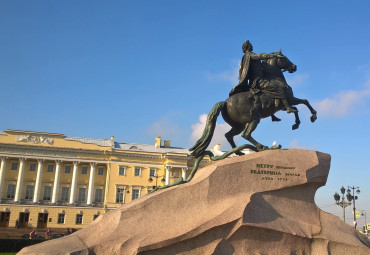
(49, 180)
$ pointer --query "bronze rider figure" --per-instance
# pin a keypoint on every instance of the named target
(251, 78)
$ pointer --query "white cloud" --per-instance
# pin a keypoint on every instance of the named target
(227, 75)
(343, 102)
(165, 128)
(297, 79)
(218, 136)
(296, 145)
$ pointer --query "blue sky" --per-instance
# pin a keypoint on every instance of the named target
(139, 69)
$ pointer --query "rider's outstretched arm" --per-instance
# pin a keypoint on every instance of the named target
(263, 56)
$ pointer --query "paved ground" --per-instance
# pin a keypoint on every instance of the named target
(17, 233)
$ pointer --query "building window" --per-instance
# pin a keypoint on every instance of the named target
(84, 170)
(67, 169)
(81, 195)
(47, 193)
(152, 172)
(32, 167)
(135, 194)
(64, 194)
(79, 219)
(50, 168)
(96, 216)
(28, 192)
(100, 171)
(120, 195)
(98, 195)
(61, 217)
(122, 170)
(10, 192)
(137, 171)
(14, 166)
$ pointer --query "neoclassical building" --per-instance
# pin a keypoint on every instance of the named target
(51, 180)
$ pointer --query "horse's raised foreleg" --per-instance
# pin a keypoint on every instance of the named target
(296, 101)
(297, 120)
(249, 128)
(230, 137)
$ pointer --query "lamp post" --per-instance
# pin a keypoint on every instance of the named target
(352, 197)
(363, 213)
(342, 203)
(156, 180)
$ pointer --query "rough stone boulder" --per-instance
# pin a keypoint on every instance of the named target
(261, 203)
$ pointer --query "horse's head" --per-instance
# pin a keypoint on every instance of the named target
(282, 62)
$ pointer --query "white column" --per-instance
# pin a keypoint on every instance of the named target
(183, 173)
(36, 193)
(18, 188)
(72, 196)
(106, 192)
(91, 183)
(2, 174)
(56, 182)
(168, 175)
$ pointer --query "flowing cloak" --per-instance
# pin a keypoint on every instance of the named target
(244, 73)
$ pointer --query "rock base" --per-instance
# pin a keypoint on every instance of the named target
(261, 203)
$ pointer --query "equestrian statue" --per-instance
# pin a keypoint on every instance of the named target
(261, 92)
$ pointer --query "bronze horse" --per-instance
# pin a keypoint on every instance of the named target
(243, 111)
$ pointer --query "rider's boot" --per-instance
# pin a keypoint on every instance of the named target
(287, 107)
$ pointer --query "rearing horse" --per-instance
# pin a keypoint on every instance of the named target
(243, 111)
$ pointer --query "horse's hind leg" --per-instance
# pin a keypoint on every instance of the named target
(230, 137)
(296, 101)
(249, 128)
(297, 120)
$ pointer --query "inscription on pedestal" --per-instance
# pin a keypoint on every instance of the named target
(270, 172)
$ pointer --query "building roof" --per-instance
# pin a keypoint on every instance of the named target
(104, 142)
(149, 148)
(100, 142)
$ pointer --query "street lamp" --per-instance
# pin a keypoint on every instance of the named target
(342, 203)
(156, 180)
(363, 213)
(352, 197)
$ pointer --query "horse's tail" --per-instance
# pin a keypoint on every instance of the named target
(201, 145)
